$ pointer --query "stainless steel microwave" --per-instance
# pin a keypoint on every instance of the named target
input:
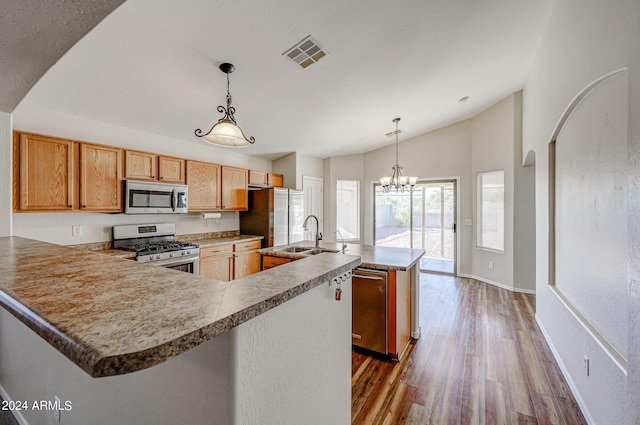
(154, 198)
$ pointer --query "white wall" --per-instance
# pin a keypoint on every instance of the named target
(492, 149)
(295, 165)
(5, 173)
(633, 381)
(274, 369)
(583, 41)
(96, 227)
(443, 153)
(342, 167)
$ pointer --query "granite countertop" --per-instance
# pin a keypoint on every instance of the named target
(208, 242)
(373, 257)
(112, 316)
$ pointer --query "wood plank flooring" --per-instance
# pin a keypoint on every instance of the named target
(481, 360)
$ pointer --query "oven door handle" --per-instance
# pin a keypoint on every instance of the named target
(175, 261)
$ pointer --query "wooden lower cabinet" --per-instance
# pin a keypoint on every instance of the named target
(229, 262)
(246, 259)
(271, 261)
(217, 262)
(399, 305)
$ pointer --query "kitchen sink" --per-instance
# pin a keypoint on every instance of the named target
(299, 249)
(305, 250)
(315, 251)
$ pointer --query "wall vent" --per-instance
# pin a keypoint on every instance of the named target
(306, 52)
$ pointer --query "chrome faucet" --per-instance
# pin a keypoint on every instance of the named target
(344, 245)
(318, 234)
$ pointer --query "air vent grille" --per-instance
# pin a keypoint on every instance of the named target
(306, 52)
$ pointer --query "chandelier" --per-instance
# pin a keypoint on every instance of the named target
(226, 132)
(397, 181)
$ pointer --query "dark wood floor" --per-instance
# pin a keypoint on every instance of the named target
(481, 359)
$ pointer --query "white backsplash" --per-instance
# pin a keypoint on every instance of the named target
(96, 227)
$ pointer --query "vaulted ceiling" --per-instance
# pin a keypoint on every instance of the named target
(152, 65)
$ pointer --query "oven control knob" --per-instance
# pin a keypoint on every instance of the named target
(157, 256)
(188, 252)
(172, 254)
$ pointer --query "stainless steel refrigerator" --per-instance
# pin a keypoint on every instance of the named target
(275, 213)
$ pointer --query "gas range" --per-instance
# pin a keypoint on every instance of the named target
(156, 244)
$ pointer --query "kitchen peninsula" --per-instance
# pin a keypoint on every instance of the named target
(269, 348)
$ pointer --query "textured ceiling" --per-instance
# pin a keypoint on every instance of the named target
(34, 34)
(152, 66)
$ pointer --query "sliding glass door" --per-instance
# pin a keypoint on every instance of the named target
(424, 219)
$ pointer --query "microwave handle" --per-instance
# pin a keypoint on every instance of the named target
(174, 199)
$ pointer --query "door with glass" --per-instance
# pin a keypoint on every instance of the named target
(423, 219)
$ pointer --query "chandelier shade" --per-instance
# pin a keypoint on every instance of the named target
(226, 131)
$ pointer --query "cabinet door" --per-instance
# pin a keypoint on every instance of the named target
(245, 264)
(100, 178)
(269, 261)
(203, 180)
(140, 166)
(276, 180)
(46, 173)
(217, 262)
(171, 170)
(258, 178)
(235, 195)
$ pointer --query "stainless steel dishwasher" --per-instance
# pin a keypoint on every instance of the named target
(369, 302)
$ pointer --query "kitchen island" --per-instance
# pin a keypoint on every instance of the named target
(269, 348)
(400, 299)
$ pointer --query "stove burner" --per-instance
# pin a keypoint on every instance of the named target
(157, 247)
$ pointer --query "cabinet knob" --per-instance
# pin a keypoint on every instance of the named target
(71, 206)
(153, 177)
(84, 206)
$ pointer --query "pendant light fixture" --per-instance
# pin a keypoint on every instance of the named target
(397, 181)
(226, 132)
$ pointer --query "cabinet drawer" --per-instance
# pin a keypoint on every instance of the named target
(216, 250)
(247, 246)
(269, 262)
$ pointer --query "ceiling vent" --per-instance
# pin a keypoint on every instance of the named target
(306, 52)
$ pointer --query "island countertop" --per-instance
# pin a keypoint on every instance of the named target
(373, 257)
(112, 316)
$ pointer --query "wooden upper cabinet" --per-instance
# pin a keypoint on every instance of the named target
(276, 180)
(258, 178)
(171, 170)
(141, 166)
(235, 195)
(100, 178)
(46, 175)
(203, 179)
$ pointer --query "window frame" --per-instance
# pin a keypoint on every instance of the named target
(481, 192)
(357, 205)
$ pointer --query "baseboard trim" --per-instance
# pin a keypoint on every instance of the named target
(498, 284)
(16, 413)
(565, 373)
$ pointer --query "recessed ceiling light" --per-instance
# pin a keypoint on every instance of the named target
(306, 52)
(463, 99)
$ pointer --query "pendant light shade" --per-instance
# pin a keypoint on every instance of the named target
(397, 181)
(226, 132)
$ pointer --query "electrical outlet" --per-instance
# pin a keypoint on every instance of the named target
(76, 230)
(490, 264)
(56, 410)
(586, 365)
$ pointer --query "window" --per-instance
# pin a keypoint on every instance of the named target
(490, 210)
(348, 208)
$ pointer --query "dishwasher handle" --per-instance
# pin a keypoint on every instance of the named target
(361, 276)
